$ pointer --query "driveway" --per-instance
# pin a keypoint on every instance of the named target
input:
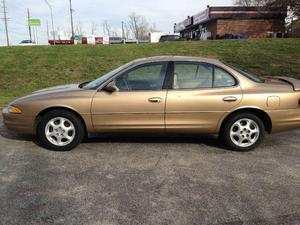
(150, 180)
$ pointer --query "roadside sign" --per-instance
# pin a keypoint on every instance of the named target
(105, 39)
(34, 22)
(91, 39)
(77, 38)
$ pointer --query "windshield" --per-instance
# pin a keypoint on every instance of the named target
(248, 75)
(94, 84)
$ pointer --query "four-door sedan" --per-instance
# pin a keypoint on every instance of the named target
(162, 94)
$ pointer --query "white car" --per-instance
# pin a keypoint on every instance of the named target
(26, 43)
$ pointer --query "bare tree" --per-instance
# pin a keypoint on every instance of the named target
(114, 34)
(138, 26)
(153, 28)
(293, 6)
(79, 28)
(94, 27)
(245, 2)
(106, 28)
(126, 31)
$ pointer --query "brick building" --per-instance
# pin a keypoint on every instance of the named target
(217, 22)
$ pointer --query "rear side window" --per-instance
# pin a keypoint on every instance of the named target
(223, 78)
(201, 75)
(192, 76)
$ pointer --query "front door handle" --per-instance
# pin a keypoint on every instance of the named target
(155, 100)
(230, 99)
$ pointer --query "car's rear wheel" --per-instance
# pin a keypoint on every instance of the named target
(60, 130)
(243, 132)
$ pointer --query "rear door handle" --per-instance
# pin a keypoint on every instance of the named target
(230, 99)
(155, 100)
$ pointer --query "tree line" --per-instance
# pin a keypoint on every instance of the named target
(292, 6)
(136, 27)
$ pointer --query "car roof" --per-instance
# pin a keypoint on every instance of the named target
(176, 58)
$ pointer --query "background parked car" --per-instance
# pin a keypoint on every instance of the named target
(166, 38)
(26, 43)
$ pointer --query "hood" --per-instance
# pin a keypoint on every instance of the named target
(61, 88)
(52, 92)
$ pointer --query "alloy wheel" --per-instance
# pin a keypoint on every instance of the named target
(244, 132)
(60, 131)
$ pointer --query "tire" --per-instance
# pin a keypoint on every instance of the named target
(243, 132)
(60, 130)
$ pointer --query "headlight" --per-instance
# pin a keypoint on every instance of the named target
(14, 110)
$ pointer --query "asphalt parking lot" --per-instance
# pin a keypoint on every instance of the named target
(113, 180)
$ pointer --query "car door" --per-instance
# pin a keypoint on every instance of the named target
(200, 96)
(139, 104)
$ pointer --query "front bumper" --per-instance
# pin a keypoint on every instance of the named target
(18, 122)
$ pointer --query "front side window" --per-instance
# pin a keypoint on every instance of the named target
(148, 77)
(192, 76)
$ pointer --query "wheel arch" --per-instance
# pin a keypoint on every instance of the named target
(46, 110)
(265, 118)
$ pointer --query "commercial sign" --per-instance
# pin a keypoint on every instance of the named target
(188, 22)
(201, 17)
(34, 22)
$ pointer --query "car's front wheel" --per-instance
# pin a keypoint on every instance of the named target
(60, 130)
(243, 132)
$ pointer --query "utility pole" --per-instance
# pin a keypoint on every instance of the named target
(5, 21)
(51, 12)
(48, 32)
(29, 28)
(72, 24)
(123, 34)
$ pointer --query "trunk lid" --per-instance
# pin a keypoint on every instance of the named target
(295, 83)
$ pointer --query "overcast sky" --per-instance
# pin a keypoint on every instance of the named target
(162, 13)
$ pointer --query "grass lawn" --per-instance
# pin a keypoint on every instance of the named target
(26, 69)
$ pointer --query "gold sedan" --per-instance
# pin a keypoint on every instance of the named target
(162, 94)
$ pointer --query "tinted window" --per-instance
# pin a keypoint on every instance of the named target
(223, 79)
(248, 75)
(144, 78)
(94, 84)
(192, 76)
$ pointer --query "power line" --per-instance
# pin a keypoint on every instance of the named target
(5, 21)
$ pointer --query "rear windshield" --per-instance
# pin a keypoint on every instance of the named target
(246, 74)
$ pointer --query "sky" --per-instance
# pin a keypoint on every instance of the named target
(162, 13)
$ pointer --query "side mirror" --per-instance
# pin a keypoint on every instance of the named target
(111, 87)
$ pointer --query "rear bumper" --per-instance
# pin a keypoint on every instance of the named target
(18, 122)
(284, 120)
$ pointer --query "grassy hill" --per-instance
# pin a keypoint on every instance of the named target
(25, 69)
